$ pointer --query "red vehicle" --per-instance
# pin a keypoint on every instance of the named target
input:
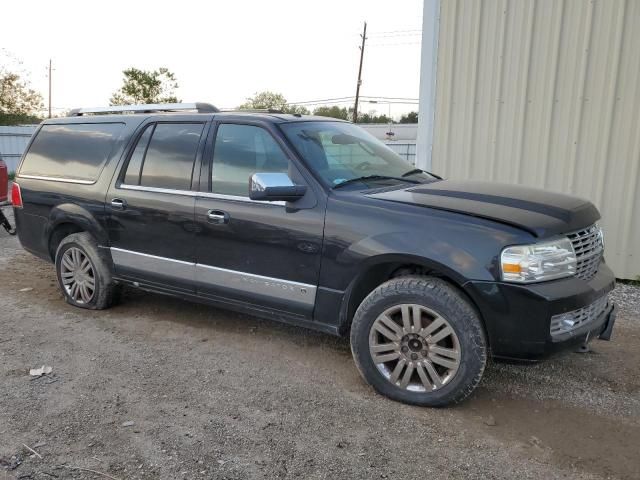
(4, 184)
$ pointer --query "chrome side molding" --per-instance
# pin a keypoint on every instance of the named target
(276, 288)
(299, 293)
(58, 179)
(143, 262)
(192, 193)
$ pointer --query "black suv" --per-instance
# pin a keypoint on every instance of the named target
(313, 222)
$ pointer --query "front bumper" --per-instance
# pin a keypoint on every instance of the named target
(518, 317)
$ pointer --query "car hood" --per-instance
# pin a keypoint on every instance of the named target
(540, 212)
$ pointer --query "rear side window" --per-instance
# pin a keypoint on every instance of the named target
(75, 151)
(164, 156)
(132, 176)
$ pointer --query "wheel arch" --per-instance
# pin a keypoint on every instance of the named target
(379, 269)
(66, 219)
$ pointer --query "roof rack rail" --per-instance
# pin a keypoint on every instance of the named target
(145, 108)
(253, 110)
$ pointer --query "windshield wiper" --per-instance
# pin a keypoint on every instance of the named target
(373, 177)
(417, 170)
(412, 172)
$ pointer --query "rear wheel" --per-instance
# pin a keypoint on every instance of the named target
(83, 272)
(418, 340)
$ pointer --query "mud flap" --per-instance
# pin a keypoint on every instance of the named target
(608, 326)
(5, 224)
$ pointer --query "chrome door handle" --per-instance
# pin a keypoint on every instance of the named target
(217, 216)
(118, 204)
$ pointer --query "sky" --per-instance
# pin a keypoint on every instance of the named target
(220, 51)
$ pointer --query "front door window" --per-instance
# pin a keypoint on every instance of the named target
(239, 152)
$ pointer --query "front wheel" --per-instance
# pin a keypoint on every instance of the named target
(419, 341)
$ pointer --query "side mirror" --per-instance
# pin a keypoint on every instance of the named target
(274, 187)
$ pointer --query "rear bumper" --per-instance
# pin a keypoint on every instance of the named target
(518, 317)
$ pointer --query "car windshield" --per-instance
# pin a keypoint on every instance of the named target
(342, 152)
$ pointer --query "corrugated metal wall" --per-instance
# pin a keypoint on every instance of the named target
(13, 142)
(546, 93)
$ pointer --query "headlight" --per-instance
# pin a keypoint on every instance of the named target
(538, 262)
(601, 234)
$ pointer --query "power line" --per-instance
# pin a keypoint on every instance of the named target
(397, 31)
(389, 98)
(396, 35)
(394, 44)
(336, 102)
(321, 101)
(394, 102)
(382, 97)
(344, 102)
(368, 98)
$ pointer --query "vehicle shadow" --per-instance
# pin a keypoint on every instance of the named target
(211, 320)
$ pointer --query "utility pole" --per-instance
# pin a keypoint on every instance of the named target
(355, 108)
(49, 87)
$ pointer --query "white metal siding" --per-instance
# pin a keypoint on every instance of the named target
(401, 131)
(406, 150)
(13, 142)
(546, 93)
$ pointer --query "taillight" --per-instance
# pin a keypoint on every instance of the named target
(16, 195)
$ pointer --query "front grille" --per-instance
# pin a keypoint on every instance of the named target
(588, 246)
(570, 321)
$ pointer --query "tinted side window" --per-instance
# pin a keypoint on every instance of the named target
(239, 152)
(170, 155)
(132, 177)
(75, 150)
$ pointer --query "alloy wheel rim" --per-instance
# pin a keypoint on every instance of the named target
(78, 276)
(414, 348)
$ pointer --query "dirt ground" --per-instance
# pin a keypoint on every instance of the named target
(157, 388)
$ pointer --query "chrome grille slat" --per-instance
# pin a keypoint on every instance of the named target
(578, 318)
(588, 246)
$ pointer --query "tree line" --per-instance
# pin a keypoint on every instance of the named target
(276, 101)
(19, 103)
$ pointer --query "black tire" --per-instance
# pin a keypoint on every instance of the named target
(437, 296)
(104, 288)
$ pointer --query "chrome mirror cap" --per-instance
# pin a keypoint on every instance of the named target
(274, 187)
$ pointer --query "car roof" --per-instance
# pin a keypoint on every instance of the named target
(272, 117)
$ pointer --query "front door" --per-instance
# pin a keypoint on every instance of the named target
(264, 254)
(151, 207)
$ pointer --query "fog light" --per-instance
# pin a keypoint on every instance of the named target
(563, 322)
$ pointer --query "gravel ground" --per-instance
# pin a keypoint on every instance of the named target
(627, 297)
(157, 388)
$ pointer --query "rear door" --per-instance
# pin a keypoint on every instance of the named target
(264, 254)
(151, 206)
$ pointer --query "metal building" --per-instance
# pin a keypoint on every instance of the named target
(399, 137)
(544, 93)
